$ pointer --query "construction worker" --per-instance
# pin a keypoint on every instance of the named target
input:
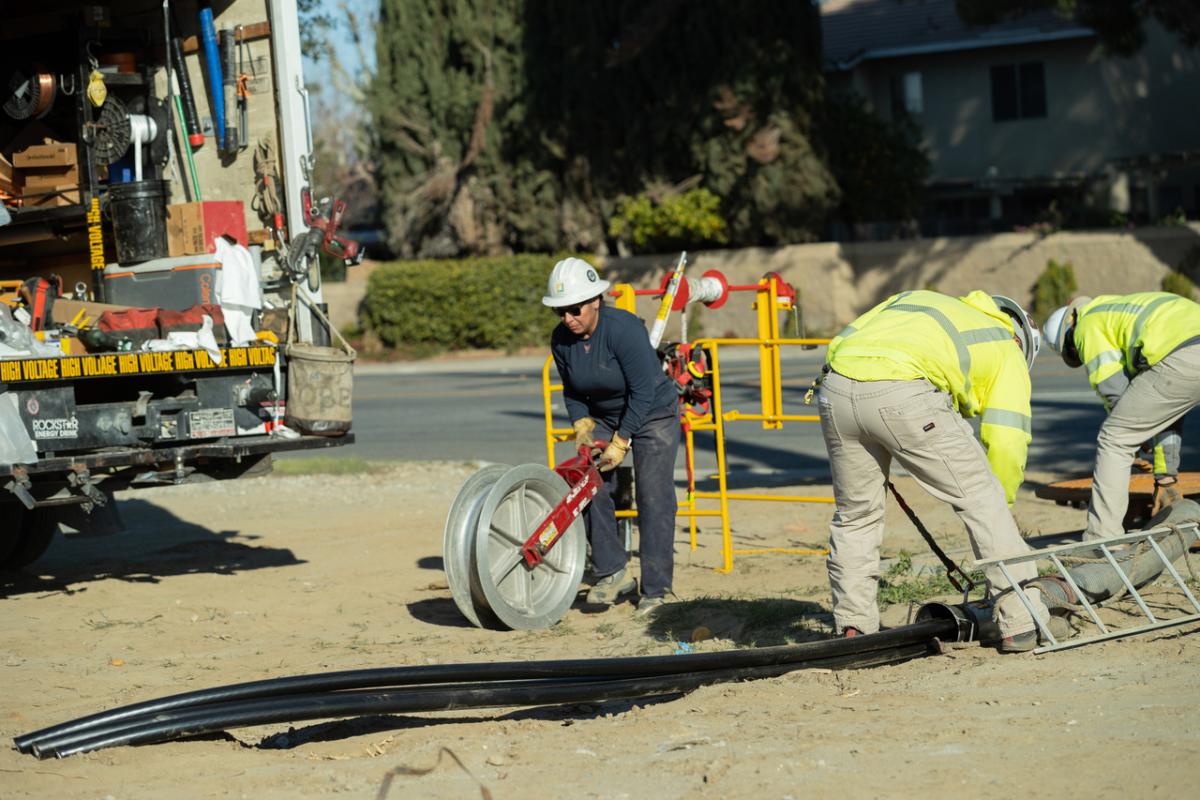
(1142, 354)
(615, 390)
(898, 382)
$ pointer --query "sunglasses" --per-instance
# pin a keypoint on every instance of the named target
(574, 311)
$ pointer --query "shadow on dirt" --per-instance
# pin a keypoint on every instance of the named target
(439, 611)
(155, 545)
(385, 724)
(745, 623)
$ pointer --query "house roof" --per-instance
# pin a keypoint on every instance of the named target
(863, 30)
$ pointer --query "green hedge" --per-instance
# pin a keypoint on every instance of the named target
(486, 302)
(1054, 288)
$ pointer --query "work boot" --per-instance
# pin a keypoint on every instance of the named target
(610, 588)
(648, 605)
(1165, 495)
(1059, 627)
(1019, 642)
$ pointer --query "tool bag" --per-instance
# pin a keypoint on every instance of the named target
(192, 319)
(135, 324)
(320, 382)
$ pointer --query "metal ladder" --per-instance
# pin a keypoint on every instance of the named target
(1053, 554)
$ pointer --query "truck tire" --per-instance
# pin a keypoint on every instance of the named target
(34, 533)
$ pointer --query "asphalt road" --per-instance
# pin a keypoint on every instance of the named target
(491, 410)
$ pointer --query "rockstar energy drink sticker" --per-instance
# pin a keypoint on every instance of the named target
(106, 365)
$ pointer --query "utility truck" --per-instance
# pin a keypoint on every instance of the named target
(161, 313)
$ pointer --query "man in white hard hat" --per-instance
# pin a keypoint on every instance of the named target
(615, 389)
(1142, 355)
(900, 380)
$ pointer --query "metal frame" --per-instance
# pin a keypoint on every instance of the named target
(1104, 545)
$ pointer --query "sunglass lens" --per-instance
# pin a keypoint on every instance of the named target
(572, 310)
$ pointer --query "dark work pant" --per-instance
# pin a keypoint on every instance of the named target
(654, 450)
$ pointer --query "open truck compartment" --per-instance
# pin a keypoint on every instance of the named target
(160, 299)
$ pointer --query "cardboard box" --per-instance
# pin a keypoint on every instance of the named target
(193, 227)
(65, 310)
(35, 179)
(10, 179)
(58, 154)
(52, 196)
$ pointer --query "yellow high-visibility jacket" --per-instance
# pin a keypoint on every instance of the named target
(1119, 336)
(963, 346)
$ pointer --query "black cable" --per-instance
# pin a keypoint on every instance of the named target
(633, 666)
(408, 700)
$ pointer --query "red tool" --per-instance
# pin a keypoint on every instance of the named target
(337, 246)
(583, 477)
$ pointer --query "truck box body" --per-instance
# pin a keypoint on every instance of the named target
(87, 407)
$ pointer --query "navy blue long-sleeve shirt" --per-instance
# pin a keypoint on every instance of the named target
(614, 376)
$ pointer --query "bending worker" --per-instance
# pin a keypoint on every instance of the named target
(898, 382)
(1142, 353)
(615, 389)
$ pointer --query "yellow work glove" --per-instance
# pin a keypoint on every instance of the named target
(583, 432)
(614, 454)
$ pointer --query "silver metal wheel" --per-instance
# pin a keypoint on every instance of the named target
(458, 541)
(521, 597)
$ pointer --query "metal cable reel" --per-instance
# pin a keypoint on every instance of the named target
(494, 513)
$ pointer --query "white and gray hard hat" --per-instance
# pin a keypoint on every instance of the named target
(572, 281)
(1059, 326)
(1023, 325)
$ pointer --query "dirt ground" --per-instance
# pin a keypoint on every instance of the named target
(221, 583)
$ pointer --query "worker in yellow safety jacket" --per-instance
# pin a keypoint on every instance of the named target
(899, 380)
(1142, 355)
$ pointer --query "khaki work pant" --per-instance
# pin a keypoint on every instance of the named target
(868, 423)
(1154, 400)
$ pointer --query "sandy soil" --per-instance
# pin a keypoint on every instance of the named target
(223, 583)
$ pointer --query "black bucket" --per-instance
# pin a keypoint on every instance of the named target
(139, 219)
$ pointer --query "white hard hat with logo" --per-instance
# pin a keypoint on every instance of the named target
(1024, 326)
(572, 281)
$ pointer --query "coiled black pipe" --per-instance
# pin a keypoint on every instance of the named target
(329, 705)
(627, 667)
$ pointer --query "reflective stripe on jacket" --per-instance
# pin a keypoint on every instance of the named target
(1118, 336)
(963, 346)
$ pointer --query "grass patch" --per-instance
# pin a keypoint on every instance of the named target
(326, 465)
(746, 622)
(901, 585)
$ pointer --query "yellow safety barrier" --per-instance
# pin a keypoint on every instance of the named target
(768, 303)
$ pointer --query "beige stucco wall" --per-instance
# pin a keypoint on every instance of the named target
(837, 281)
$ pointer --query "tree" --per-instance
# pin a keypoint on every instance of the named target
(517, 124)
(1119, 23)
(879, 165)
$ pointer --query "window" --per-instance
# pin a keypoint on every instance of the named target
(907, 94)
(1018, 91)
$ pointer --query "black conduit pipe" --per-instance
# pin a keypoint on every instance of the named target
(632, 666)
(208, 703)
(440, 698)
(284, 706)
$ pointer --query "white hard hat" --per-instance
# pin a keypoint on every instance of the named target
(1024, 326)
(572, 281)
(1059, 325)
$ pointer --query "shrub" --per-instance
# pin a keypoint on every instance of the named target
(1054, 287)
(680, 220)
(1180, 284)
(486, 302)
